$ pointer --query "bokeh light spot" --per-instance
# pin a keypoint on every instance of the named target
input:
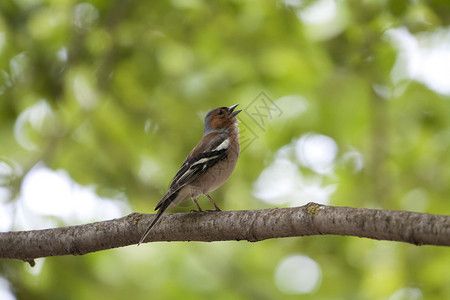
(298, 274)
(85, 15)
(317, 152)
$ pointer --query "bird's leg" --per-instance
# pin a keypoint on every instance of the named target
(214, 203)
(198, 206)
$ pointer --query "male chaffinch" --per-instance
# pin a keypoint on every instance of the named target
(207, 166)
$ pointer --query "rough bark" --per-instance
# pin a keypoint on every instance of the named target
(250, 225)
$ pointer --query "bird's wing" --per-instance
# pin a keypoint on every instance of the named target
(212, 149)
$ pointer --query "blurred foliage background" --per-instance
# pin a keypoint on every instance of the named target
(345, 103)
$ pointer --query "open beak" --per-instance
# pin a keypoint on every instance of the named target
(231, 111)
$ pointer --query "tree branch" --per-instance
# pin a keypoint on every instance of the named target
(250, 225)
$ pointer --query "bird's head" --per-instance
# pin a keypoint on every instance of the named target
(221, 119)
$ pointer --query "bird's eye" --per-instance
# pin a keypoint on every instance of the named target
(220, 112)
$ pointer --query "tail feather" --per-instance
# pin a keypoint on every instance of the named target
(155, 219)
(163, 206)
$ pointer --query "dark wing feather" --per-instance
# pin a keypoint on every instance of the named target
(197, 163)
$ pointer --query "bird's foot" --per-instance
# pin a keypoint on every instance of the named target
(217, 209)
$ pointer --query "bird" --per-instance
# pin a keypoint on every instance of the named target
(207, 166)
